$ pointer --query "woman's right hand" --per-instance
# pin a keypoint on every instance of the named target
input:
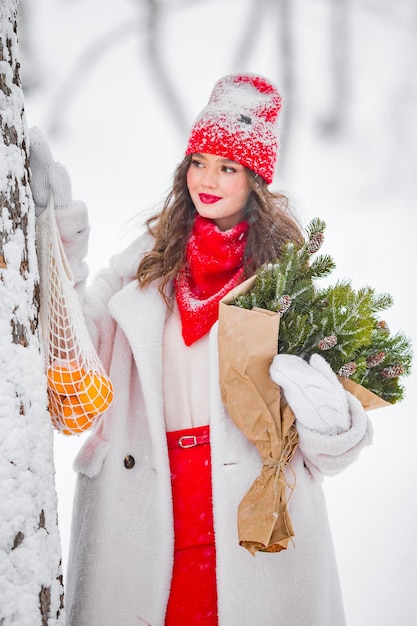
(49, 177)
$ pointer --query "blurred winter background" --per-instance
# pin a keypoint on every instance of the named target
(115, 87)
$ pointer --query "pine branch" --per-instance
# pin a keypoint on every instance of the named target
(321, 267)
(337, 322)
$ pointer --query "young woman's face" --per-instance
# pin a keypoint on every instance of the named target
(219, 189)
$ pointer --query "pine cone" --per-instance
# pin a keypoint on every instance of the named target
(392, 371)
(315, 243)
(375, 359)
(348, 369)
(284, 304)
(327, 342)
(382, 324)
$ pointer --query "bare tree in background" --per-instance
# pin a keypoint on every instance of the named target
(150, 28)
(285, 38)
(148, 24)
(156, 60)
(152, 17)
(340, 42)
(30, 555)
(279, 12)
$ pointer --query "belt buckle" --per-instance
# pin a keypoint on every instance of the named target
(187, 441)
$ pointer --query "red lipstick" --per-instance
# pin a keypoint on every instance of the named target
(207, 198)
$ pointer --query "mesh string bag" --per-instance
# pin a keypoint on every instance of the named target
(79, 389)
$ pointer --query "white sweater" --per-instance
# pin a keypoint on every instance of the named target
(185, 377)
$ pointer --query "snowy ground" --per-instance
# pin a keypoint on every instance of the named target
(121, 146)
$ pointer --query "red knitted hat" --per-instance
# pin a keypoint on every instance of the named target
(240, 123)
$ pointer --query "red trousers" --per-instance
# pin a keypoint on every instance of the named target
(193, 597)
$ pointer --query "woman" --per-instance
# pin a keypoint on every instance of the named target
(154, 536)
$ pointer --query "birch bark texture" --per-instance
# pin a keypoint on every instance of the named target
(30, 551)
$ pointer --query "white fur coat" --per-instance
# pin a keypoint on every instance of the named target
(121, 553)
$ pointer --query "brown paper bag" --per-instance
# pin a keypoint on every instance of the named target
(368, 399)
(248, 341)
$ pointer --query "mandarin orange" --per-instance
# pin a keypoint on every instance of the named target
(95, 393)
(64, 376)
(74, 416)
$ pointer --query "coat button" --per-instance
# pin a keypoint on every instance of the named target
(129, 461)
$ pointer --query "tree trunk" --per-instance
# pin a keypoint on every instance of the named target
(31, 591)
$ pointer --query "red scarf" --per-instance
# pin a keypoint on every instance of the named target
(214, 265)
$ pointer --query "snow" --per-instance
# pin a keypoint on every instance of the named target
(30, 551)
(121, 143)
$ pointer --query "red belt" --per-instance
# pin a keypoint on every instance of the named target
(179, 439)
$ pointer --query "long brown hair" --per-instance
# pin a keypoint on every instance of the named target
(270, 218)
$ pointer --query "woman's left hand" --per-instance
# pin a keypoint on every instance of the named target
(313, 392)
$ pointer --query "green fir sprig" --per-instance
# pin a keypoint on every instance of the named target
(338, 322)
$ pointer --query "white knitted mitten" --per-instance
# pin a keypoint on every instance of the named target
(71, 215)
(313, 392)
